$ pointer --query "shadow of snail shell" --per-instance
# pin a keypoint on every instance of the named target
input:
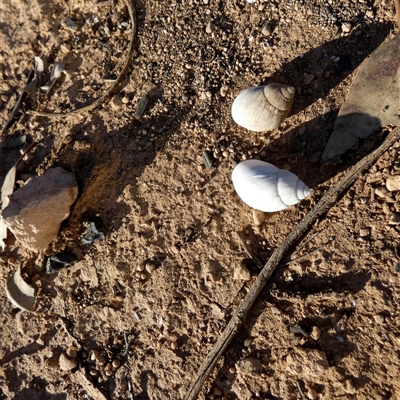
(262, 108)
(267, 188)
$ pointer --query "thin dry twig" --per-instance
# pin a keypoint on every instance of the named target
(116, 86)
(326, 202)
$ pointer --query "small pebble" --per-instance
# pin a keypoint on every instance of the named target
(150, 267)
(93, 372)
(101, 360)
(116, 102)
(125, 100)
(67, 363)
(95, 355)
(174, 345)
(379, 319)
(315, 332)
(266, 30)
(308, 78)
(116, 363)
(210, 27)
(394, 219)
(346, 27)
(109, 372)
(381, 191)
(275, 310)
(364, 232)
(4, 98)
(393, 183)
(312, 394)
(224, 90)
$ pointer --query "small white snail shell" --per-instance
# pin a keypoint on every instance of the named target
(267, 188)
(262, 108)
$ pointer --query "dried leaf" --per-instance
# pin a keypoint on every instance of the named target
(372, 102)
(19, 292)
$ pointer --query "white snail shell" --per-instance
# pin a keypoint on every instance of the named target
(262, 108)
(267, 188)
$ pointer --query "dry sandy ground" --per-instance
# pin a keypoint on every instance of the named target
(171, 270)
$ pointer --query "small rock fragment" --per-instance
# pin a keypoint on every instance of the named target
(364, 232)
(315, 332)
(394, 219)
(101, 360)
(379, 318)
(241, 273)
(275, 310)
(266, 30)
(210, 27)
(312, 394)
(116, 363)
(116, 102)
(258, 217)
(95, 355)
(94, 232)
(381, 191)
(308, 78)
(67, 363)
(307, 362)
(36, 210)
(58, 261)
(346, 27)
(141, 107)
(224, 90)
(150, 267)
(393, 183)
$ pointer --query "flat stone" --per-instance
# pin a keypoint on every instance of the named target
(379, 319)
(394, 219)
(307, 362)
(67, 363)
(36, 210)
(393, 183)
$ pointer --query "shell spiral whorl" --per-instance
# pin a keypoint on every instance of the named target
(263, 108)
(267, 188)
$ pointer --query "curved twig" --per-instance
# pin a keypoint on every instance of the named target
(115, 87)
(326, 202)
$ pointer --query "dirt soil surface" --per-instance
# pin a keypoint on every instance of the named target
(135, 316)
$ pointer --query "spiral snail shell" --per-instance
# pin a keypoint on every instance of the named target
(262, 108)
(267, 188)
